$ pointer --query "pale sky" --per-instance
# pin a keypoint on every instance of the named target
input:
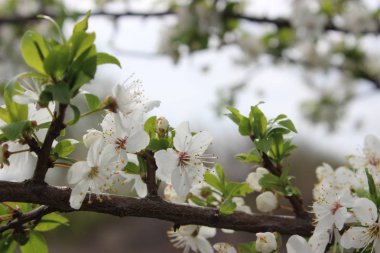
(188, 94)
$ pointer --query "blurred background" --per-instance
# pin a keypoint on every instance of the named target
(316, 61)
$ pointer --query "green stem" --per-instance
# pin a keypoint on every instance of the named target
(88, 113)
(19, 151)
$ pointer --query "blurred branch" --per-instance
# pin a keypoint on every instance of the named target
(58, 199)
(21, 219)
(279, 22)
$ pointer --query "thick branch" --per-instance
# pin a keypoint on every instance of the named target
(58, 199)
(44, 162)
(33, 215)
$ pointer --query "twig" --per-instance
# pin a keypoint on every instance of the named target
(35, 214)
(58, 199)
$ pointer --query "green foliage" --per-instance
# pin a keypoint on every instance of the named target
(373, 194)
(65, 147)
(157, 141)
(36, 243)
(93, 102)
(226, 189)
(51, 221)
(282, 184)
(247, 247)
(132, 168)
(34, 50)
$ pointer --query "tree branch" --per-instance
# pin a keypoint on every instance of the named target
(44, 161)
(58, 199)
(35, 214)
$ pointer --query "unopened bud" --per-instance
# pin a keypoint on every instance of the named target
(266, 202)
(4, 155)
(266, 242)
(222, 247)
(162, 126)
(253, 178)
(91, 136)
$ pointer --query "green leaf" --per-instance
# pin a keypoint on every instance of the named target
(272, 182)
(65, 147)
(245, 127)
(93, 102)
(50, 222)
(82, 25)
(220, 173)
(57, 61)
(158, 144)
(235, 115)
(34, 49)
(81, 42)
(150, 126)
(247, 247)
(263, 145)
(4, 116)
(288, 124)
(372, 188)
(248, 158)
(59, 92)
(213, 181)
(35, 244)
(15, 130)
(259, 121)
(234, 189)
(7, 244)
(104, 58)
(227, 207)
(76, 114)
(132, 168)
(16, 112)
(198, 201)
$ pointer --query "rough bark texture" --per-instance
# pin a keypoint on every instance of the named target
(154, 207)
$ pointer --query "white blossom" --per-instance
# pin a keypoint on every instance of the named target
(253, 178)
(222, 247)
(317, 243)
(182, 165)
(331, 209)
(192, 237)
(93, 175)
(266, 242)
(266, 202)
(91, 136)
(368, 233)
(357, 17)
(130, 98)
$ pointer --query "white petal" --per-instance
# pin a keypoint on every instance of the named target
(167, 161)
(377, 246)
(318, 242)
(204, 246)
(365, 211)
(325, 223)
(150, 105)
(207, 232)
(372, 146)
(94, 153)
(182, 136)
(181, 181)
(340, 217)
(137, 141)
(140, 187)
(355, 237)
(297, 244)
(199, 143)
(78, 172)
(107, 157)
(78, 194)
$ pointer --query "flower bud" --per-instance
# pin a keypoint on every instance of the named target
(324, 171)
(91, 136)
(266, 242)
(253, 178)
(266, 202)
(162, 126)
(222, 247)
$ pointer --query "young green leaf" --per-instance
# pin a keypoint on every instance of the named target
(35, 244)
(248, 158)
(15, 130)
(227, 207)
(65, 147)
(34, 50)
(50, 222)
(213, 181)
(103, 58)
(245, 128)
(57, 61)
(132, 168)
(288, 124)
(82, 25)
(93, 102)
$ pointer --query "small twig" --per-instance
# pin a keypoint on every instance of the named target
(35, 214)
(150, 180)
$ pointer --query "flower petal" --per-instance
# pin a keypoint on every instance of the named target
(181, 181)
(78, 172)
(207, 232)
(297, 244)
(78, 194)
(319, 241)
(372, 146)
(355, 237)
(365, 211)
(199, 143)
(137, 141)
(204, 246)
(182, 136)
(167, 161)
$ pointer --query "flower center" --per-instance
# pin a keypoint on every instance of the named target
(121, 143)
(183, 159)
(94, 172)
(374, 230)
(335, 207)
